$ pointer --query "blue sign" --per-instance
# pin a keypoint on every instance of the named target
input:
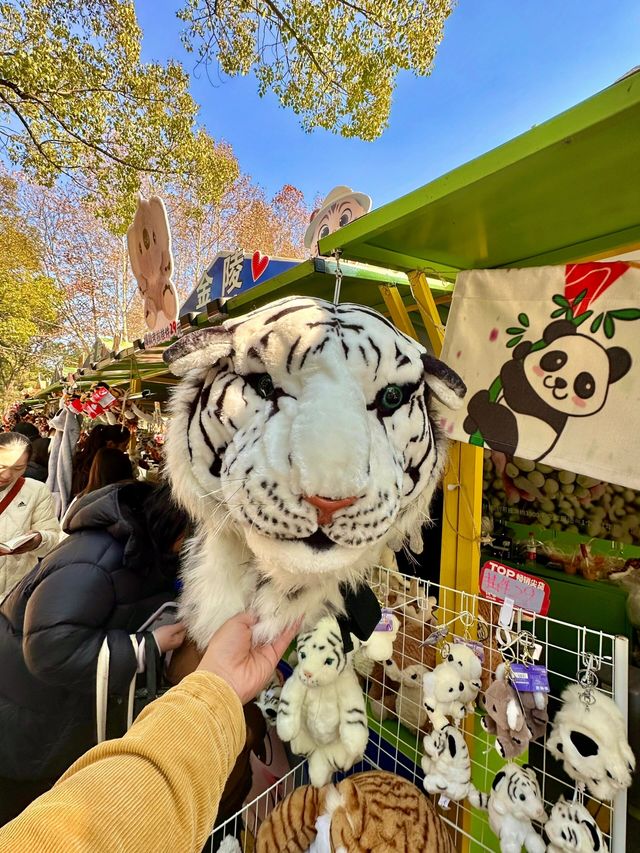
(231, 273)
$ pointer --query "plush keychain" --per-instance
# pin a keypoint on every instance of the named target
(589, 736)
(451, 689)
(571, 828)
(268, 699)
(505, 716)
(514, 802)
(446, 764)
(322, 709)
(395, 686)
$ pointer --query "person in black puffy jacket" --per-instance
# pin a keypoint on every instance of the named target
(115, 569)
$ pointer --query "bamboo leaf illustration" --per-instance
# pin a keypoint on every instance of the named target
(557, 313)
(626, 313)
(514, 341)
(579, 298)
(609, 326)
(597, 323)
(582, 318)
(514, 330)
(560, 300)
(523, 320)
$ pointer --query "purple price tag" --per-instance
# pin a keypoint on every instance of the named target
(476, 647)
(386, 621)
(530, 679)
(435, 636)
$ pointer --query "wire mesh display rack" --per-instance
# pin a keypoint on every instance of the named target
(392, 746)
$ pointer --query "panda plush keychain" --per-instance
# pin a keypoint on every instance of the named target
(589, 737)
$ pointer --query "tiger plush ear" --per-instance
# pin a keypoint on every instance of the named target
(198, 349)
(445, 383)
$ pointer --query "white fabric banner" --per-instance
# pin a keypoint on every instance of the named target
(550, 358)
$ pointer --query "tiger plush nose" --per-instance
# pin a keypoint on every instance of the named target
(326, 507)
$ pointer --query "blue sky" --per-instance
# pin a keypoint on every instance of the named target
(503, 66)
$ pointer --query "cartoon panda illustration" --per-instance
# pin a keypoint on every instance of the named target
(542, 389)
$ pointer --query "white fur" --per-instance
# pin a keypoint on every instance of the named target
(379, 646)
(608, 770)
(322, 709)
(444, 695)
(509, 816)
(242, 464)
(571, 828)
(469, 667)
(446, 763)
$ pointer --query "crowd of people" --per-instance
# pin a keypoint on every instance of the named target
(76, 592)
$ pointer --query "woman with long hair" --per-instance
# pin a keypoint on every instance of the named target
(116, 567)
(100, 436)
(109, 466)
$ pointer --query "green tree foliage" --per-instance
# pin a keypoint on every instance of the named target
(333, 62)
(29, 300)
(76, 100)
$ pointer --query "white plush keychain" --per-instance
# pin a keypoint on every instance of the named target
(514, 802)
(589, 736)
(322, 710)
(447, 765)
(449, 691)
(571, 828)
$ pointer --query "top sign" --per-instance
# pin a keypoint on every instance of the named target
(499, 582)
(231, 273)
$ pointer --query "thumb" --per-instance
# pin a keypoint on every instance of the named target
(280, 644)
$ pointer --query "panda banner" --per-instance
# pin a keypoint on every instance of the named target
(549, 356)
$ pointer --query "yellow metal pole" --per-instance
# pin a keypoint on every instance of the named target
(428, 309)
(397, 310)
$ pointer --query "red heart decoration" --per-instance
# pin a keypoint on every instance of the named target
(259, 263)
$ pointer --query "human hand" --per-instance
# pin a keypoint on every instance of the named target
(31, 545)
(169, 637)
(244, 667)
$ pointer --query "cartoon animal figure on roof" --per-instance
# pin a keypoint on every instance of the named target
(149, 242)
(339, 208)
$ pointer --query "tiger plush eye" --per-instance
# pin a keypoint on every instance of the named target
(392, 397)
(265, 386)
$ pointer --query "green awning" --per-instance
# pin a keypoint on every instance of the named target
(565, 190)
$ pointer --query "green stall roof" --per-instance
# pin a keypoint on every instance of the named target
(315, 277)
(565, 190)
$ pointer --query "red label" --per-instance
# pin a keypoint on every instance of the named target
(499, 582)
(103, 397)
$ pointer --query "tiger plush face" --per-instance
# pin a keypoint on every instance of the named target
(321, 656)
(307, 430)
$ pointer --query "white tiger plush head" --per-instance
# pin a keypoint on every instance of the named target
(321, 655)
(571, 828)
(304, 437)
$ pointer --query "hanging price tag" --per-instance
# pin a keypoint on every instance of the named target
(530, 679)
(476, 647)
(529, 593)
(386, 621)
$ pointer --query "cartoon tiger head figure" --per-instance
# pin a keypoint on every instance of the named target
(303, 438)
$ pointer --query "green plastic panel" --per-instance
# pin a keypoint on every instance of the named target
(565, 190)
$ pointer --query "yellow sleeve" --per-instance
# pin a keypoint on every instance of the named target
(156, 789)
